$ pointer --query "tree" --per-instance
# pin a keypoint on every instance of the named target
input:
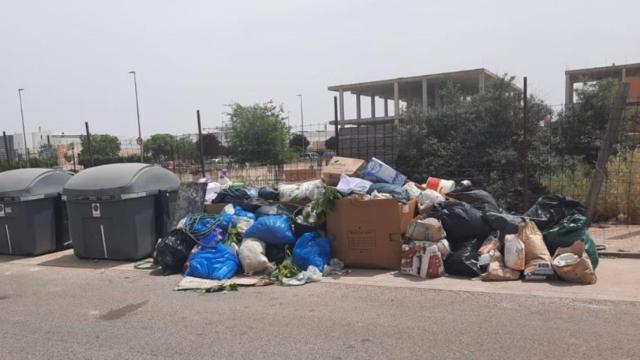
(185, 149)
(477, 137)
(211, 146)
(159, 146)
(299, 142)
(580, 127)
(259, 133)
(331, 143)
(105, 149)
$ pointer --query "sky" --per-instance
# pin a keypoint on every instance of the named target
(73, 57)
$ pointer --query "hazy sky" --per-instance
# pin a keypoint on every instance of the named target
(72, 57)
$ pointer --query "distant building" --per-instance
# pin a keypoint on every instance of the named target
(619, 73)
(363, 137)
(421, 91)
(8, 146)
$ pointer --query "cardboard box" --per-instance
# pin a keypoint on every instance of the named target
(340, 165)
(377, 171)
(214, 208)
(368, 233)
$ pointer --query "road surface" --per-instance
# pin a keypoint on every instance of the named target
(49, 312)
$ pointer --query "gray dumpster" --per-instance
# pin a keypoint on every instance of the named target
(32, 219)
(118, 211)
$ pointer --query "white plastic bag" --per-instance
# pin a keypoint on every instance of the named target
(412, 189)
(514, 256)
(348, 184)
(252, 256)
(312, 274)
(427, 199)
(311, 190)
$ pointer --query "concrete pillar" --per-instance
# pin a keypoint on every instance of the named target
(424, 95)
(386, 107)
(481, 83)
(373, 106)
(568, 90)
(624, 75)
(358, 111)
(341, 105)
(396, 101)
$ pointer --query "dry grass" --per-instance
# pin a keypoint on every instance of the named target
(619, 199)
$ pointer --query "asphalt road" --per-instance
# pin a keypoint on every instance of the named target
(61, 313)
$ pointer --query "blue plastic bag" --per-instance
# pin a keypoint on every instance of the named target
(272, 229)
(312, 249)
(218, 263)
(214, 238)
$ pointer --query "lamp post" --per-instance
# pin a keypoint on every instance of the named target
(302, 121)
(139, 140)
(24, 132)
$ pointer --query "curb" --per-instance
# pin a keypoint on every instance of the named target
(620, 254)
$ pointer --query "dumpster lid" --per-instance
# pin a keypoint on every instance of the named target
(32, 183)
(125, 180)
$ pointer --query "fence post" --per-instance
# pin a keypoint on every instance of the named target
(201, 144)
(335, 117)
(525, 147)
(608, 141)
(86, 125)
(6, 148)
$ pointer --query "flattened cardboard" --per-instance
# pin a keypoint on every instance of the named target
(340, 165)
(368, 233)
(214, 208)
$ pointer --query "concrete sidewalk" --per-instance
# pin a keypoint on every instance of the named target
(618, 279)
(619, 239)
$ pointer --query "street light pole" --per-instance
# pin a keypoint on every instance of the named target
(135, 87)
(302, 121)
(24, 132)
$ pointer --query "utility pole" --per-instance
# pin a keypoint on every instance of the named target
(139, 140)
(24, 132)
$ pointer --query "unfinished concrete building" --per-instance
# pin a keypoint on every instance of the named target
(620, 73)
(374, 135)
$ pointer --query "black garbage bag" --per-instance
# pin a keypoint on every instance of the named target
(276, 253)
(502, 222)
(232, 196)
(550, 210)
(477, 198)
(251, 205)
(463, 259)
(172, 251)
(269, 194)
(460, 221)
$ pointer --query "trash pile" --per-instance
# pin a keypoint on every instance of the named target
(370, 215)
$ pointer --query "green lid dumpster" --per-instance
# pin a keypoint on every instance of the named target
(116, 211)
(32, 219)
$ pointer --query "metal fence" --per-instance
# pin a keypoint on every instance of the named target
(616, 204)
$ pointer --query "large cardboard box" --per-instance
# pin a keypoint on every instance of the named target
(340, 165)
(369, 233)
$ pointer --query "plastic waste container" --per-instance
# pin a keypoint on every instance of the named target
(117, 211)
(32, 219)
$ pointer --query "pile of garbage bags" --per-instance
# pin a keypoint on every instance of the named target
(457, 230)
(547, 242)
(219, 246)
